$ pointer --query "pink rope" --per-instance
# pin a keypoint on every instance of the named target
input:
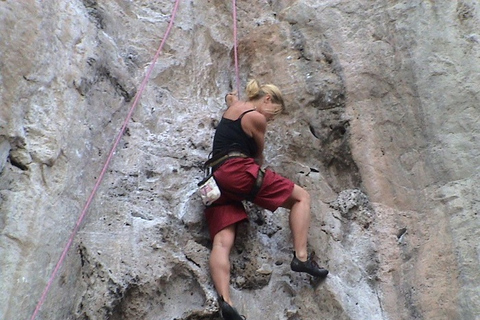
(235, 47)
(105, 167)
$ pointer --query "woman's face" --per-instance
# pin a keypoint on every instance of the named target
(271, 110)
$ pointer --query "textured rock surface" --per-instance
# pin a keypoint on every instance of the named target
(382, 129)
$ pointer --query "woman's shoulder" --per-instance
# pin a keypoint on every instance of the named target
(237, 110)
(255, 117)
(253, 120)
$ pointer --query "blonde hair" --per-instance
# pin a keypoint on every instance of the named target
(255, 91)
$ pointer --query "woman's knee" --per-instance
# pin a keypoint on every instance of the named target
(301, 195)
(304, 195)
(225, 237)
(298, 195)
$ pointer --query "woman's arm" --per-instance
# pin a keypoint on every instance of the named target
(255, 125)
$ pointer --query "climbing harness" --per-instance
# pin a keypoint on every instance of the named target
(209, 190)
(107, 163)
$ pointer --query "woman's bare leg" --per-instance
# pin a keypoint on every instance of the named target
(299, 205)
(220, 261)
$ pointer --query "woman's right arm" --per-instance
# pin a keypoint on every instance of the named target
(256, 125)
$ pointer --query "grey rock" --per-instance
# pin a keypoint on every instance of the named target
(381, 128)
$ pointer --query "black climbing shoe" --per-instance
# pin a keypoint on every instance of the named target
(228, 312)
(309, 266)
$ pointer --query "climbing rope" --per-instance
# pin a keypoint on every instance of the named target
(235, 46)
(107, 163)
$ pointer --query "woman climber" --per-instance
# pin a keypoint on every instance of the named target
(237, 159)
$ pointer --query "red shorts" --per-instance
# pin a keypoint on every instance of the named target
(235, 178)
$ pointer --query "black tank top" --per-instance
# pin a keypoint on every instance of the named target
(229, 136)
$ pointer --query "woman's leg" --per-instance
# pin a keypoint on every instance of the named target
(220, 261)
(299, 205)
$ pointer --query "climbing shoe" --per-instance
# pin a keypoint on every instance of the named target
(228, 312)
(310, 266)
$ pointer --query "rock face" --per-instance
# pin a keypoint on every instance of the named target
(381, 128)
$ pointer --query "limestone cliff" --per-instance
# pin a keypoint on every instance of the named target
(381, 128)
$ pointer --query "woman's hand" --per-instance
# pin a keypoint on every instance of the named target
(260, 160)
(231, 98)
